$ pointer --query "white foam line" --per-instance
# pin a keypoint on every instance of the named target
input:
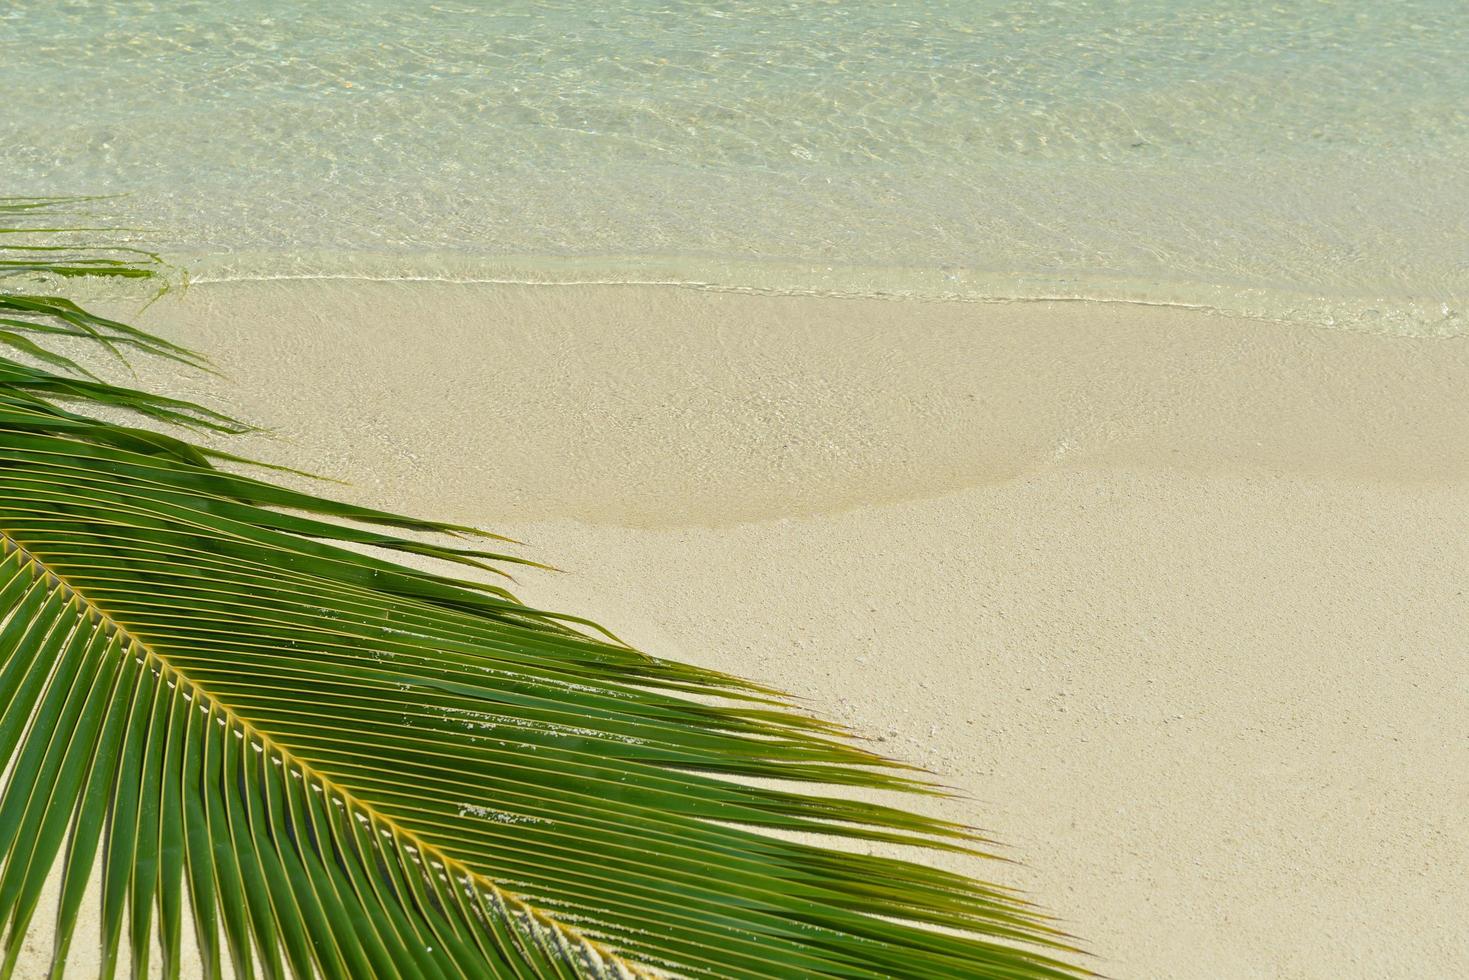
(498, 281)
(719, 287)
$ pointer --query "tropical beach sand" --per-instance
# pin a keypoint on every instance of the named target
(1178, 602)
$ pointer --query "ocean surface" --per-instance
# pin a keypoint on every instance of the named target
(1302, 161)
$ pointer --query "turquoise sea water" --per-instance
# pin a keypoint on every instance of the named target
(1306, 161)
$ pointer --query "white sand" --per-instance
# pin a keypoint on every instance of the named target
(1177, 601)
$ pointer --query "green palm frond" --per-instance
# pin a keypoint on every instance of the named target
(227, 699)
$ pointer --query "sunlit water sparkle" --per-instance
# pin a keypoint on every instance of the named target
(1305, 161)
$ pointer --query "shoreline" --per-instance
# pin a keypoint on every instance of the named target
(1406, 314)
(1174, 601)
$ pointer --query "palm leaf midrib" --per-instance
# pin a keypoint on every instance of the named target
(402, 836)
(455, 868)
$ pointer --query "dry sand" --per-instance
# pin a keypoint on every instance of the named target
(1177, 601)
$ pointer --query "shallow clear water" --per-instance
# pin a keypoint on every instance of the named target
(1306, 161)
